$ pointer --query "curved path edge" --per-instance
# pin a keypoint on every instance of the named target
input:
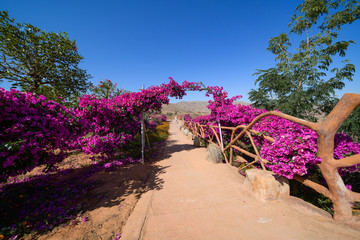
(201, 200)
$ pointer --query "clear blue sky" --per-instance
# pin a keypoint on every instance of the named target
(136, 42)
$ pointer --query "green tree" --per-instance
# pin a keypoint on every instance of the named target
(302, 83)
(106, 90)
(40, 62)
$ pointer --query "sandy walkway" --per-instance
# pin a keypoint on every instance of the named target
(200, 200)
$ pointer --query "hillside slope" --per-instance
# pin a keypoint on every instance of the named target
(191, 107)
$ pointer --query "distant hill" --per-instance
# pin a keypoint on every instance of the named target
(191, 107)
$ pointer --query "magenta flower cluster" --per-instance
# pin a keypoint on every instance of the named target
(111, 123)
(153, 120)
(34, 131)
(294, 150)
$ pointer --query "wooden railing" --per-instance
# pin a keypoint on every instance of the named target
(326, 130)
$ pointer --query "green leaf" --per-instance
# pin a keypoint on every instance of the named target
(40, 62)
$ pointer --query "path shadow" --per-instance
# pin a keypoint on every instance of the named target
(173, 147)
(45, 202)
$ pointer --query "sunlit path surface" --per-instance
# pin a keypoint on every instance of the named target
(201, 200)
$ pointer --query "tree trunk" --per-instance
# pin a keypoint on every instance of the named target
(36, 83)
(342, 207)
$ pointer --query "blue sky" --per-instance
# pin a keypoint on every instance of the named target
(143, 42)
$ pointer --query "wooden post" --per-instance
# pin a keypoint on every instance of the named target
(142, 135)
(231, 149)
(221, 138)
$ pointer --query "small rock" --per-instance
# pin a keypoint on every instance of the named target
(190, 135)
(214, 153)
(196, 141)
(266, 185)
(186, 131)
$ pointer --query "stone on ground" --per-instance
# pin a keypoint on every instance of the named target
(265, 185)
(190, 135)
(214, 153)
(196, 141)
(186, 131)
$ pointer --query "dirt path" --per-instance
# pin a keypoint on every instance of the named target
(196, 199)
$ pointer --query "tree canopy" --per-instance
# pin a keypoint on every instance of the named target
(303, 82)
(40, 62)
(106, 90)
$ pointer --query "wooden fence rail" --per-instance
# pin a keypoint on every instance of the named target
(336, 190)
